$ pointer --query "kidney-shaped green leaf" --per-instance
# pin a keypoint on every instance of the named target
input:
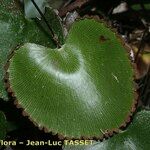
(81, 89)
(136, 137)
(16, 30)
(3, 126)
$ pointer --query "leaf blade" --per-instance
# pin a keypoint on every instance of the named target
(81, 77)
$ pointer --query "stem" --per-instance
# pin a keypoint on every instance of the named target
(55, 38)
(140, 46)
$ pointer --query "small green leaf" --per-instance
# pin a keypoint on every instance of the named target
(3, 126)
(16, 30)
(138, 6)
(55, 22)
(136, 137)
(81, 89)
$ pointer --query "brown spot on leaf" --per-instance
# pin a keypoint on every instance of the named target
(102, 39)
